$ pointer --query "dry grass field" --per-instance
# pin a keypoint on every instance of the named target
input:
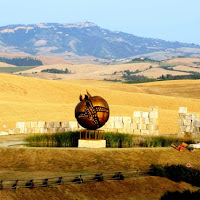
(158, 72)
(29, 99)
(6, 65)
(148, 188)
(184, 61)
(28, 163)
(86, 71)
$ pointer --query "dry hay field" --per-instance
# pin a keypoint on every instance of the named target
(30, 99)
(86, 71)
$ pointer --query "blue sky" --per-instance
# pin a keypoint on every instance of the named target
(175, 20)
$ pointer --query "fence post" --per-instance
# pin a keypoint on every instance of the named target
(45, 182)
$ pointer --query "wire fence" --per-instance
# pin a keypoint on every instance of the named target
(71, 179)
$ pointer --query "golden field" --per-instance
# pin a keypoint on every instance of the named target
(30, 99)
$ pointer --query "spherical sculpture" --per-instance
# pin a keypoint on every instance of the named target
(92, 112)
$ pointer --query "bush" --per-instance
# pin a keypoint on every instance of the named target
(113, 140)
(186, 195)
(177, 173)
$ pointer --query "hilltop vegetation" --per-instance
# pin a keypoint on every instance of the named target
(19, 61)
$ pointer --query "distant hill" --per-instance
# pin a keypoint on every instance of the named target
(87, 39)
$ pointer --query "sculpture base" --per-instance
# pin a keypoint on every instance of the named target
(91, 143)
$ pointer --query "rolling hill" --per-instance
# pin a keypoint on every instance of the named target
(88, 40)
(30, 99)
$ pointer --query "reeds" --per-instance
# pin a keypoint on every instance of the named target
(113, 140)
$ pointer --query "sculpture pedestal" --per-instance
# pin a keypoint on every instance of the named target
(92, 143)
(92, 139)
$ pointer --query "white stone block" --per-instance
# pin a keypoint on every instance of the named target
(11, 131)
(146, 120)
(180, 122)
(145, 114)
(20, 125)
(127, 126)
(22, 131)
(153, 115)
(4, 133)
(126, 120)
(137, 120)
(137, 132)
(133, 126)
(50, 124)
(153, 121)
(137, 114)
(182, 128)
(118, 119)
(197, 123)
(182, 109)
(109, 124)
(144, 132)
(27, 124)
(57, 124)
(67, 129)
(65, 124)
(144, 127)
(187, 122)
(73, 126)
(188, 116)
(139, 126)
(189, 129)
(34, 124)
(41, 124)
(130, 131)
(119, 125)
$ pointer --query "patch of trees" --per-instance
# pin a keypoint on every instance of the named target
(137, 79)
(136, 60)
(27, 61)
(179, 77)
(144, 79)
(56, 71)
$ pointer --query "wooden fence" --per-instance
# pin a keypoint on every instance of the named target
(71, 179)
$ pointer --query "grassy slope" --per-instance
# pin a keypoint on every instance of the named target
(54, 161)
(130, 189)
(17, 163)
(29, 99)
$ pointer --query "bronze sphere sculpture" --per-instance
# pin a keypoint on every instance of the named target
(92, 112)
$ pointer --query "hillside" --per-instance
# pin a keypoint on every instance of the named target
(28, 163)
(29, 99)
(147, 188)
(150, 69)
(87, 40)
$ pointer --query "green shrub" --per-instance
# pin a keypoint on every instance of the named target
(113, 140)
(186, 195)
(177, 173)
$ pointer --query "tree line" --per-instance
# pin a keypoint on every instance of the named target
(27, 61)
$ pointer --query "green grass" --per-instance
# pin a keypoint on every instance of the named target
(113, 140)
(15, 69)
